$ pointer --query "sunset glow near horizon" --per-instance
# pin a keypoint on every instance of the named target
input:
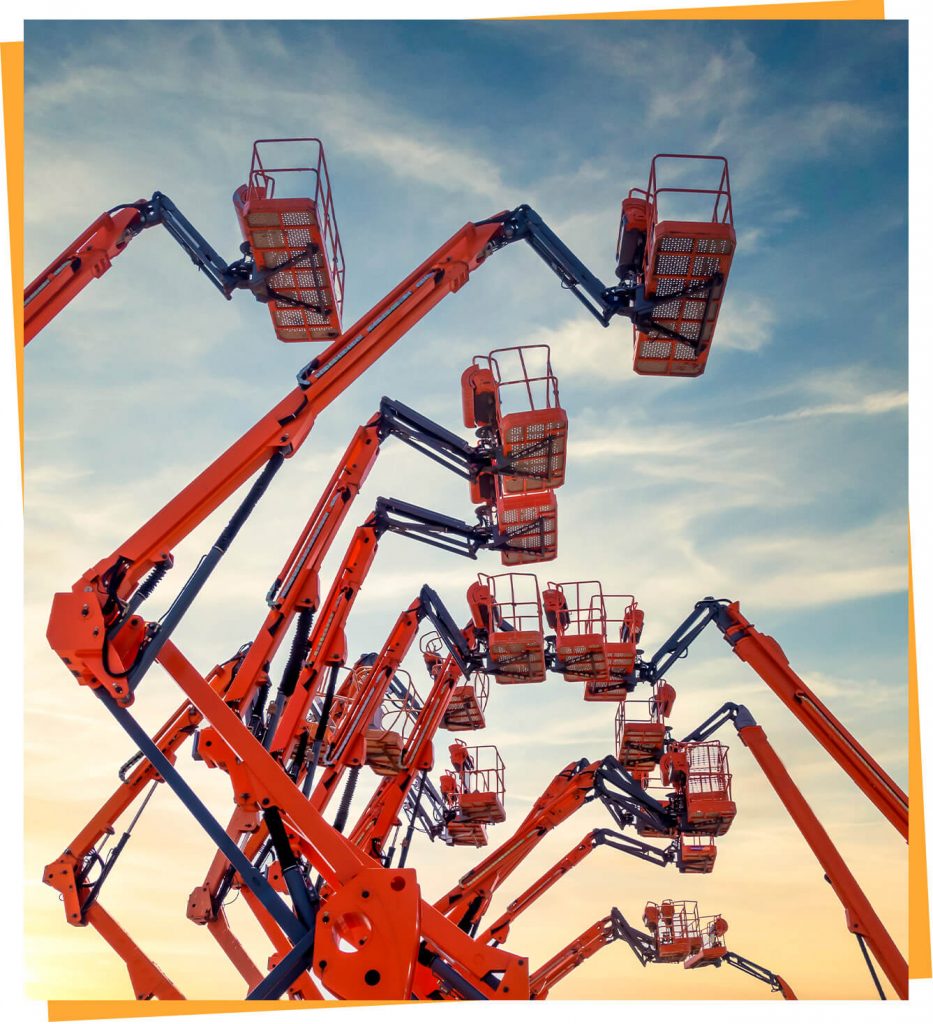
(779, 478)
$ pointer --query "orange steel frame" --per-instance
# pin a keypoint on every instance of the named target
(861, 918)
(575, 953)
(78, 623)
(498, 931)
(469, 900)
(766, 657)
(89, 256)
(382, 811)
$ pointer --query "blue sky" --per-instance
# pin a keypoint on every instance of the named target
(779, 477)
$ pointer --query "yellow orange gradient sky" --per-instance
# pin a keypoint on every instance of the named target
(780, 911)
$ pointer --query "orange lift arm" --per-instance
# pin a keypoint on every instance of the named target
(498, 932)
(346, 748)
(91, 254)
(86, 622)
(575, 953)
(765, 656)
(382, 812)
(861, 918)
(400, 922)
(777, 983)
(645, 948)
(467, 901)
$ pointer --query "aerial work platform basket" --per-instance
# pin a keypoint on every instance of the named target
(513, 393)
(385, 738)
(507, 607)
(624, 623)
(695, 855)
(467, 833)
(577, 613)
(712, 942)
(528, 523)
(641, 729)
(690, 241)
(675, 927)
(700, 772)
(467, 705)
(478, 790)
(286, 215)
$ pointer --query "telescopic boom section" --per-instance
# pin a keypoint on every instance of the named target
(861, 918)
(89, 256)
(575, 953)
(81, 618)
(468, 901)
(765, 656)
(382, 812)
(347, 742)
(498, 932)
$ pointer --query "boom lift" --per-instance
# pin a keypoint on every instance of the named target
(532, 440)
(861, 918)
(291, 259)
(575, 953)
(681, 264)
(641, 728)
(498, 932)
(578, 783)
(671, 274)
(677, 934)
(506, 611)
(765, 656)
(475, 788)
(294, 592)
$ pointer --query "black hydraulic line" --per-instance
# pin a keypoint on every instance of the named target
(124, 768)
(321, 730)
(301, 748)
(107, 866)
(305, 906)
(449, 976)
(389, 855)
(206, 566)
(296, 655)
(343, 811)
(301, 641)
(255, 719)
(406, 842)
(226, 882)
(871, 966)
(148, 585)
